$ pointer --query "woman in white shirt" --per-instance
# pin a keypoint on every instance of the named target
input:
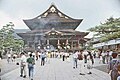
(90, 62)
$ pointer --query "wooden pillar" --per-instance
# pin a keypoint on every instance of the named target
(72, 45)
(48, 42)
(34, 45)
(66, 41)
(39, 42)
(58, 43)
(28, 44)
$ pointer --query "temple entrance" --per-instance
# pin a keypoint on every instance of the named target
(54, 43)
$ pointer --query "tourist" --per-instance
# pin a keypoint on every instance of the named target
(31, 63)
(33, 54)
(81, 62)
(103, 56)
(23, 65)
(85, 53)
(112, 69)
(48, 56)
(107, 57)
(66, 55)
(37, 55)
(58, 54)
(75, 56)
(0, 55)
(110, 55)
(42, 59)
(118, 68)
(14, 57)
(8, 57)
(63, 56)
(94, 53)
(90, 62)
(52, 53)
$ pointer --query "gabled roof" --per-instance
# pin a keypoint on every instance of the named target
(52, 18)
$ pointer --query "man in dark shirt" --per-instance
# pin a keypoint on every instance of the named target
(31, 63)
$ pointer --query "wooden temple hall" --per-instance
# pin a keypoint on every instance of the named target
(53, 29)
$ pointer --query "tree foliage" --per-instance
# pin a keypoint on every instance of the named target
(7, 39)
(108, 30)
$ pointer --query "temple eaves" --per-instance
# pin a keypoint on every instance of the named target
(53, 18)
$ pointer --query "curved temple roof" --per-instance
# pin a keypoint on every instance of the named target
(52, 18)
(46, 32)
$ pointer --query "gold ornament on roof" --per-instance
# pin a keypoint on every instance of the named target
(52, 9)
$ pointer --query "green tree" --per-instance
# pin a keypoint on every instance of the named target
(7, 38)
(108, 30)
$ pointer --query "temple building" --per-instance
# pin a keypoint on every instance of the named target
(53, 29)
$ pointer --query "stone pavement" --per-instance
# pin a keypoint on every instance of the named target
(57, 69)
(7, 67)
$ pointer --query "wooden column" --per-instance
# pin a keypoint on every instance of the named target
(28, 44)
(67, 42)
(48, 42)
(72, 45)
(58, 43)
(39, 42)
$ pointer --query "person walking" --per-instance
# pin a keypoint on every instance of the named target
(31, 63)
(8, 57)
(75, 56)
(112, 66)
(81, 62)
(107, 57)
(23, 65)
(110, 55)
(85, 53)
(90, 62)
(103, 56)
(42, 59)
(118, 68)
(63, 55)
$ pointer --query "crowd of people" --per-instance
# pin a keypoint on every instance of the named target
(86, 60)
(82, 59)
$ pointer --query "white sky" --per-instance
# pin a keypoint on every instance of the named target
(91, 11)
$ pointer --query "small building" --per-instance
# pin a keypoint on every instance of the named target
(113, 45)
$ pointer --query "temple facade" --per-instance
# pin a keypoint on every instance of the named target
(53, 29)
